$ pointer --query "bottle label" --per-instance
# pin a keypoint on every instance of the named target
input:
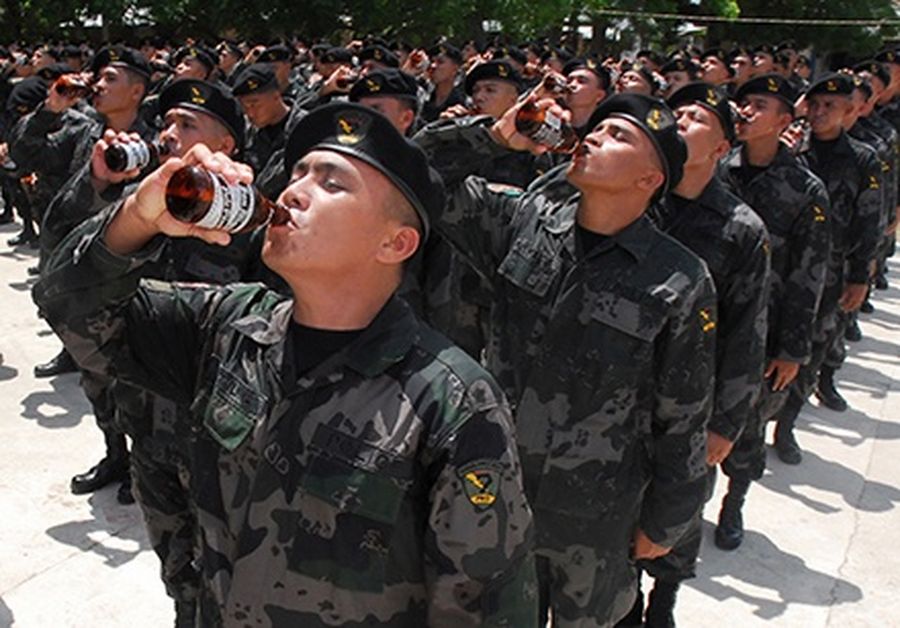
(550, 132)
(231, 208)
(137, 155)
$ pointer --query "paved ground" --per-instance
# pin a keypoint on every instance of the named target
(820, 550)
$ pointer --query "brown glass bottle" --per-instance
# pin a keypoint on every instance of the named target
(72, 86)
(545, 128)
(139, 154)
(556, 84)
(207, 200)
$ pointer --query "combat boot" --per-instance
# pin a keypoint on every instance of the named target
(827, 393)
(853, 333)
(61, 363)
(785, 444)
(661, 605)
(730, 531)
(124, 495)
(185, 614)
(113, 467)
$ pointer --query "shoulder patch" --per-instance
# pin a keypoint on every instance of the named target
(818, 214)
(873, 183)
(481, 482)
(707, 323)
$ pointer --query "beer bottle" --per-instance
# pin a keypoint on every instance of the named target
(72, 86)
(556, 84)
(207, 200)
(139, 154)
(545, 128)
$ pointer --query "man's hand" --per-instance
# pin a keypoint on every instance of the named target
(101, 176)
(4, 152)
(645, 549)
(717, 448)
(505, 133)
(340, 81)
(456, 111)
(785, 372)
(853, 296)
(58, 103)
(144, 213)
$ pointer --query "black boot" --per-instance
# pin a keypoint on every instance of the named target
(635, 617)
(827, 393)
(25, 236)
(113, 467)
(853, 333)
(661, 605)
(785, 444)
(124, 495)
(730, 531)
(881, 282)
(61, 363)
(185, 614)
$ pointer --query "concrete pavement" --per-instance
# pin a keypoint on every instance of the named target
(820, 548)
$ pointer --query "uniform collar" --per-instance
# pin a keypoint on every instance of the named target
(634, 238)
(714, 197)
(386, 340)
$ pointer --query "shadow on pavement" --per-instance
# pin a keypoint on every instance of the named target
(122, 523)
(63, 406)
(765, 567)
(23, 286)
(6, 616)
(830, 477)
(7, 373)
(855, 426)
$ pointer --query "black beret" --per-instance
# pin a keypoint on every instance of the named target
(320, 49)
(680, 64)
(832, 83)
(26, 95)
(381, 55)
(552, 52)
(337, 54)
(711, 98)
(645, 73)
(402, 46)
(773, 85)
(876, 69)
(589, 64)
(229, 46)
(656, 120)
(360, 132)
(278, 52)
(721, 55)
(128, 58)
(255, 79)
(651, 55)
(511, 52)
(764, 49)
(739, 52)
(863, 84)
(386, 82)
(206, 98)
(448, 50)
(888, 56)
(786, 45)
(199, 53)
(54, 71)
(496, 70)
(69, 51)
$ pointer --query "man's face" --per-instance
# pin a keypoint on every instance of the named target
(182, 128)
(190, 67)
(442, 69)
(859, 107)
(826, 113)
(493, 98)
(632, 82)
(282, 71)
(584, 89)
(701, 131)
(741, 66)
(676, 80)
(613, 157)
(394, 109)
(115, 91)
(764, 117)
(370, 65)
(763, 63)
(713, 70)
(338, 221)
(40, 59)
(227, 59)
(261, 109)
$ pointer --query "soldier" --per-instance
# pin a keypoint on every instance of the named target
(723, 231)
(714, 67)
(741, 65)
(230, 56)
(269, 115)
(392, 93)
(602, 333)
(678, 73)
(763, 61)
(588, 86)
(376, 57)
(370, 461)
(794, 205)
(443, 72)
(639, 79)
(852, 174)
(280, 58)
(195, 62)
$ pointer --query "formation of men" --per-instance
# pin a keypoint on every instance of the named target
(614, 321)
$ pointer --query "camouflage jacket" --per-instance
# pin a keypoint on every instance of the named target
(852, 174)
(381, 488)
(725, 233)
(608, 356)
(881, 136)
(793, 203)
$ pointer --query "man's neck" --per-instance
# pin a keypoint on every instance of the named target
(442, 90)
(828, 136)
(581, 115)
(762, 152)
(340, 304)
(121, 120)
(694, 180)
(608, 214)
(280, 113)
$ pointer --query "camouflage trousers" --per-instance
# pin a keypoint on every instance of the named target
(586, 584)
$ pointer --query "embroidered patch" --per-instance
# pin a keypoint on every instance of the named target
(482, 485)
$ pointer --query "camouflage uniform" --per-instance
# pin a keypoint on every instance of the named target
(380, 488)
(609, 358)
(733, 241)
(852, 175)
(794, 205)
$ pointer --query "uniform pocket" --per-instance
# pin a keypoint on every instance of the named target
(233, 409)
(530, 266)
